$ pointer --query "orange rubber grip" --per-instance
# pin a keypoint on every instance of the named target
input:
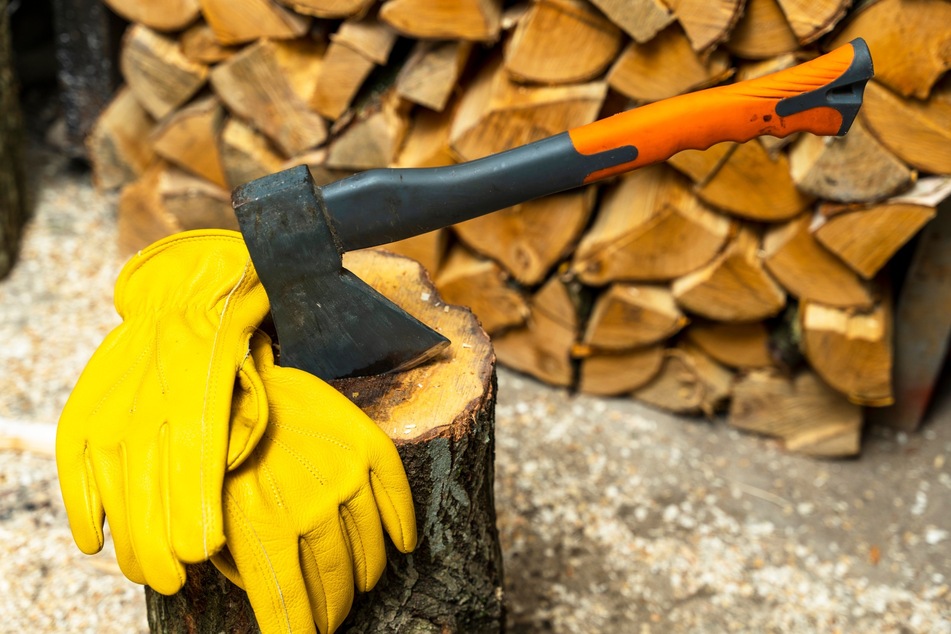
(736, 112)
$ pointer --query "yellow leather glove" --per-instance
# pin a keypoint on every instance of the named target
(144, 436)
(303, 513)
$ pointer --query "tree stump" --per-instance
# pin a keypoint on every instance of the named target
(441, 415)
(12, 205)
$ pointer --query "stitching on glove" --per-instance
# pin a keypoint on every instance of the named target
(245, 526)
(312, 469)
(377, 482)
(312, 434)
(351, 532)
(272, 481)
(88, 481)
(211, 390)
(164, 488)
(320, 582)
(125, 375)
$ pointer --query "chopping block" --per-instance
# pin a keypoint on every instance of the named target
(441, 416)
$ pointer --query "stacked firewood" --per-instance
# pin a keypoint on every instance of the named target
(745, 277)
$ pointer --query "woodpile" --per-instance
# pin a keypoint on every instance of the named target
(750, 279)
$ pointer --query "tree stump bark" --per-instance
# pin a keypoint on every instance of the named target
(441, 415)
(12, 204)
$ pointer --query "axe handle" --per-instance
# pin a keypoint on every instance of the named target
(821, 96)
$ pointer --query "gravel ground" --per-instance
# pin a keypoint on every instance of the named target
(613, 517)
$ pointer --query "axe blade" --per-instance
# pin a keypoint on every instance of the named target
(339, 326)
(329, 322)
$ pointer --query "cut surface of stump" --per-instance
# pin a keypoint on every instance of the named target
(441, 417)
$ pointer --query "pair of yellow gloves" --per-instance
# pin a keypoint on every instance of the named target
(183, 432)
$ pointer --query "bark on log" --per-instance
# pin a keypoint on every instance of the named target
(444, 431)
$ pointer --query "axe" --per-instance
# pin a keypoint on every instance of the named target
(333, 325)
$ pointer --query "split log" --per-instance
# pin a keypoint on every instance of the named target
(635, 73)
(426, 143)
(189, 138)
(374, 138)
(542, 348)
(701, 165)
(250, 20)
(162, 15)
(852, 168)
(741, 346)
(734, 287)
(13, 208)
(300, 62)
(316, 162)
(491, 114)
(631, 316)
(471, 20)
(753, 185)
(195, 203)
(806, 414)
(811, 19)
(429, 249)
(330, 8)
(689, 382)
(431, 74)
(355, 50)
(809, 271)
(620, 372)
(157, 72)
(706, 22)
(762, 32)
(851, 351)
(441, 415)
(253, 86)
(245, 154)
(650, 227)
(641, 19)
(482, 286)
(867, 238)
(200, 45)
(118, 147)
(918, 132)
(142, 218)
(530, 238)
(561, 42)
(910, 68)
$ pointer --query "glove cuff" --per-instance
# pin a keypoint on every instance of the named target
(205, 269)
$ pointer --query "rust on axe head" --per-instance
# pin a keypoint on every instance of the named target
(329, 322)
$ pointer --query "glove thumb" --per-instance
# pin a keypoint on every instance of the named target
(249, 410)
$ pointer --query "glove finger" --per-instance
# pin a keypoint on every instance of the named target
(147, 523)
(108, 475)
(361, 522)
(394, 499)
(328, 573)
(195, 478)
(249, 412)
(224, 562)
(270, 567)
(81, 497)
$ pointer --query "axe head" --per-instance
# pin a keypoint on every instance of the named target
(329, 322)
